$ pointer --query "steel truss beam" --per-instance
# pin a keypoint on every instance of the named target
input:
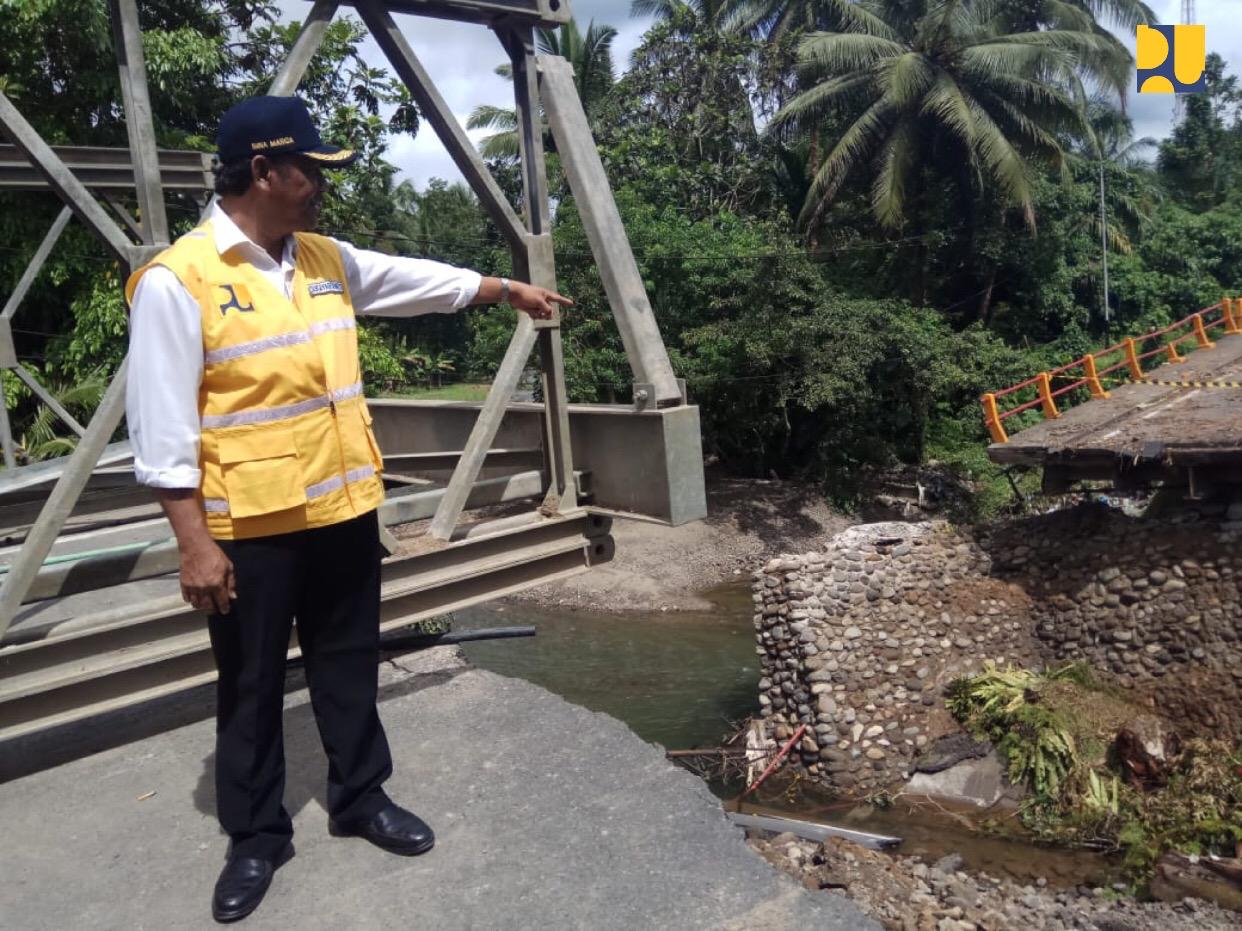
(105, 169)
(546, 13)
(157, 553)
(107, 418)
(605, 232)
(160, 647)
(454, 565)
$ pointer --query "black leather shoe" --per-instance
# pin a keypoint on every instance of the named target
(242, 884)
(394, 829)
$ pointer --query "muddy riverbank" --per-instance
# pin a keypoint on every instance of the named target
(660, 568)
(908, 894)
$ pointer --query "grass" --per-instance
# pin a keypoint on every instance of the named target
(463, 391)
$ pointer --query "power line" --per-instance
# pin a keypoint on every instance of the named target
(813, 254)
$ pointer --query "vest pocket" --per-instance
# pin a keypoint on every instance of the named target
(377, 457)
(261, 472)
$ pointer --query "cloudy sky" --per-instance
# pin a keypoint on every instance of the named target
(461, 57)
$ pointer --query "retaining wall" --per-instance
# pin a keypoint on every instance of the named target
(859, 640)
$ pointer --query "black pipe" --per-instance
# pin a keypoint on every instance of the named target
(424, 641)
(411, 642)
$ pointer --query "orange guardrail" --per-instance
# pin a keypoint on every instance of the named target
(1087, 372)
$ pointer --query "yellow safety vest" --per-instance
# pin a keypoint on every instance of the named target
(286, 435)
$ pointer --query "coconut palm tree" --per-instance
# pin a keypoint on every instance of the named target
(1126, 207)
(589, 53)
(1112, 136)
(940, 86)
(694, 14)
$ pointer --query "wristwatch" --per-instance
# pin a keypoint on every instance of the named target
(504, 291)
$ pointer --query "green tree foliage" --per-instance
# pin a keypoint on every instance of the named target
(681, 124)
(1056, 730)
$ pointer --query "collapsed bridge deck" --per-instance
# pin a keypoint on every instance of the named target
(1146, 433)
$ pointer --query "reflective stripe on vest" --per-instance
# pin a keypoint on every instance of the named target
(228, 353)
(318, 490)
(270, 414)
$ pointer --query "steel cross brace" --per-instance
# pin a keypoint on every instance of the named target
(107, 418)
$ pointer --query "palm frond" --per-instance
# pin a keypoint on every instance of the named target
(1006, 166)
(858, 17)
(1065, 15)
(906, 77)
(1080, 43)
(1126, 13)
(500, 146)
(814, 104)
(897, 162)
(486, 116)
(837, 53)
(658, 9)
(853, 149)
(946, 102)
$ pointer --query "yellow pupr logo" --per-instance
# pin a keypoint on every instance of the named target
(1171, 59)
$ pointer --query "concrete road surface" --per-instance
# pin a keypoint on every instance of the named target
(548, 816)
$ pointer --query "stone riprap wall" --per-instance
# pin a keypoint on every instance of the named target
(1154, 604)
(859, 641)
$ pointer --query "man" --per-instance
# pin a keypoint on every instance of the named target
(246, 415)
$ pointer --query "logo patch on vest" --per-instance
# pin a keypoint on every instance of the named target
(316, 288)
(238, 299)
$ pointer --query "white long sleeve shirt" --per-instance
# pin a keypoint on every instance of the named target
(166, 338)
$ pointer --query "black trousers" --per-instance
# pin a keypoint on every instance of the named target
(328, 579)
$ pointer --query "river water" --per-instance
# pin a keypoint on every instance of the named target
(683, 679)
(677, 679)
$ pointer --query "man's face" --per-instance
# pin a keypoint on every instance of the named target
(295, 190)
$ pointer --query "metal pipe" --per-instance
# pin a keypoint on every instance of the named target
(408, 643)
(1104, 245)
(102, 551)
(424, 641)
(812, 831)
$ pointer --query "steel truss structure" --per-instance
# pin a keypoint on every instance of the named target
(100, 625)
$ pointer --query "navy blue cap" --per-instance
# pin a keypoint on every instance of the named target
(271, 125)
